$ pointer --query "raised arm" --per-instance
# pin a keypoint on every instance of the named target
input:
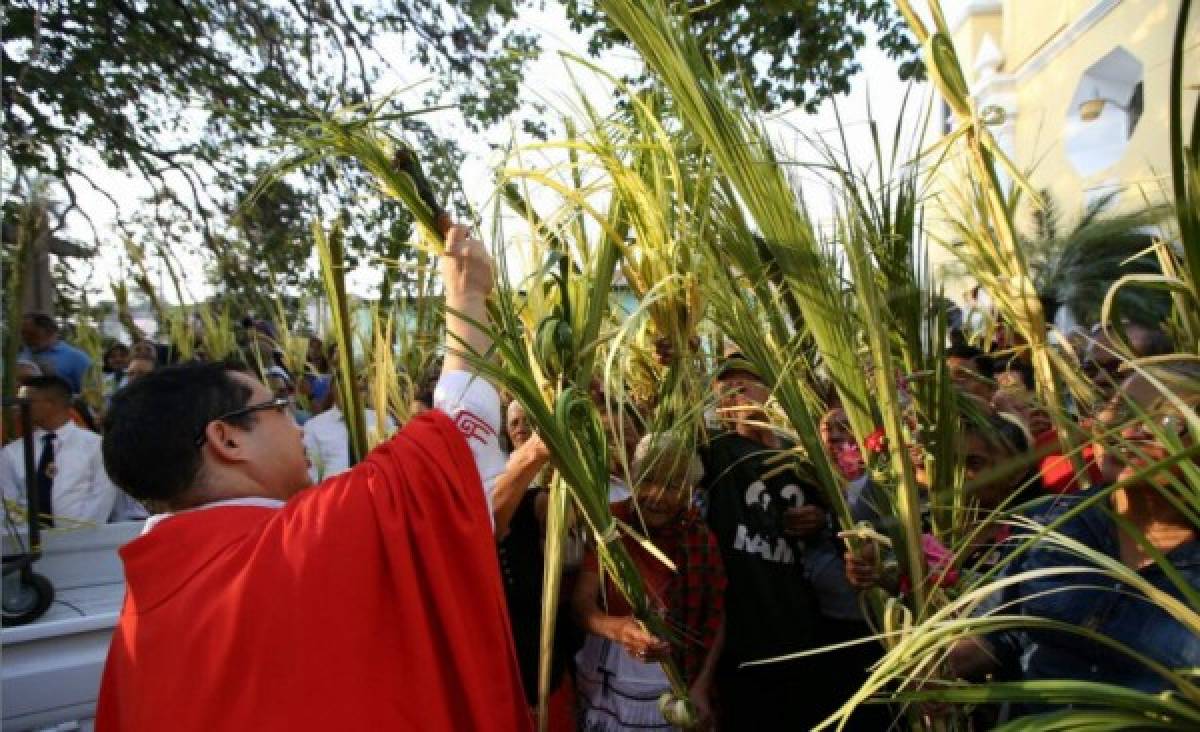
(467, 278)
(464, 396)
(523, 467)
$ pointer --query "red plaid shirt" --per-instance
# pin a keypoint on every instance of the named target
(692, 599)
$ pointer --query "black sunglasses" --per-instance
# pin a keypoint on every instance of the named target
(279, 403)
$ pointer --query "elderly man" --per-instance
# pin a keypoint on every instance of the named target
(71, 481)
(370, 602)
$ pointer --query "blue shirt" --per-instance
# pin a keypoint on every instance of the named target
(318, 385)
(62, 360)
(1100, 603)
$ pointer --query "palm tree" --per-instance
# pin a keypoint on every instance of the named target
(1074, 268)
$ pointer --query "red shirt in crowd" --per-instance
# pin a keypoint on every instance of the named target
(1057, 471)
(692, 598)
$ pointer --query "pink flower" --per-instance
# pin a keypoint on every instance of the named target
(940, 561)
(935, 552)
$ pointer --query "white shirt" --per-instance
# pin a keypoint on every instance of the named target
(474, 406)
(327, 441)
(259, 501)
(82, 490)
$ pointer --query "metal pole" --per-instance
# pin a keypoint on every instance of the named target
(31, 493)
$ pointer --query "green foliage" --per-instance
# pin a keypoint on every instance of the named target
(188, 96)
(783, 52)
(1076, 268)
(116, 76)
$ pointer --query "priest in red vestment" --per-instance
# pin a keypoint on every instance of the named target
(370, 602)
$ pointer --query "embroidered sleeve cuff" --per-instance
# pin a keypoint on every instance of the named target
(474, 406)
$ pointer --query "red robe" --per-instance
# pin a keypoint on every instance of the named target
(371, 602)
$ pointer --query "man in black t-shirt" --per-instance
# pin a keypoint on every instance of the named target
(761, 513)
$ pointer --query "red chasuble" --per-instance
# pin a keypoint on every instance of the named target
(371, 602)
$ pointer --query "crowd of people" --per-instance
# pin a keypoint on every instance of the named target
(51, 374)
(735, 543)
(768, 563)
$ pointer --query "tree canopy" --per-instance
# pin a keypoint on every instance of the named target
(786, 52)
(178, 91)
(190, 95)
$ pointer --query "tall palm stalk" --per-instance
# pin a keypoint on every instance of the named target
(914, 660)
(754, 180)
(558, 353)
(333, 275)
(990, 245)
(548, 343)
(739, 145)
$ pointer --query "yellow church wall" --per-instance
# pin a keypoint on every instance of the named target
(1030, 24)
(1144, 28)
(1045, 56)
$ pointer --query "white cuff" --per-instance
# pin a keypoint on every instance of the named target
(474, 406)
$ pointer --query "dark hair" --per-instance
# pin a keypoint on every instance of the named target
(84, 411)
(1020, 366)
(1007, 432)
(108, 352)
(51, 385)
(114, 347)
(984, 366)
(1000, 432)
(150, 444)
(43, 321)
(321, 363)
(735, 364)
(828, 394)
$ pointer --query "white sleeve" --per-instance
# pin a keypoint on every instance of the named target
(103, 490)
(474, 406)
(312, 449)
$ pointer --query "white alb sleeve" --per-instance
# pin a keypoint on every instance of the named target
(474, 406)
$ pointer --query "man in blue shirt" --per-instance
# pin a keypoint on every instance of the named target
(1144, 645)
(43, 347)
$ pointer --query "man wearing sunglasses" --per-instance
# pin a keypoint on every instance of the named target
(372, 601)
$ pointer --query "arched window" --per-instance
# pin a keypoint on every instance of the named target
(1104, 112)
